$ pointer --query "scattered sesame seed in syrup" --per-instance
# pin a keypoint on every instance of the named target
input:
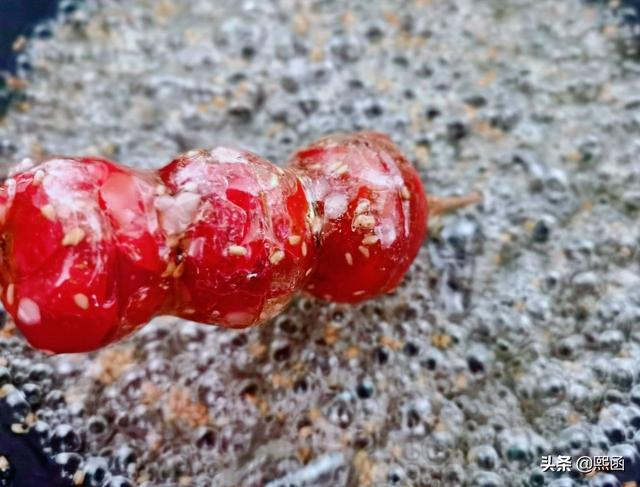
(18, 428)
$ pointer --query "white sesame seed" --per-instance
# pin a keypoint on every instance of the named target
(78, 477)
(364, 251)
(348, 258)
(364, 221)
(11, 289)
(49, 212)
(38, 176)
(28, 311)
(404, 192)
(316, 224)
(4, 463)
(81, 300)
(304, 249)
(6, 389)
(74, 237)
(192, 153)
(18, 428)
(369, 240)
(307, 274)
(358, 293)
(295, 239)
(314, 167)
(237, 250)
(363, 206)
(161, 189)
(276, 257)
(191, 186)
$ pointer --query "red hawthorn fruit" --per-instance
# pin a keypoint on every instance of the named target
(373, 214)
(68, 273)
(242, 230)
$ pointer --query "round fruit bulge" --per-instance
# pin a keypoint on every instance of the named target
(66, 278)
(373, 214)
(245, 242)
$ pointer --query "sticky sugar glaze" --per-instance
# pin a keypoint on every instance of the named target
(92, 250)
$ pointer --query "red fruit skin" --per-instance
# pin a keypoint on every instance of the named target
(373, 214)
(243, 233)
(67, 273)
(127, 198)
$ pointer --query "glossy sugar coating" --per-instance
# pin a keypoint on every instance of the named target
(92, 250)
(506, 343)
(243, 233)
(372, 214)
(80, 253)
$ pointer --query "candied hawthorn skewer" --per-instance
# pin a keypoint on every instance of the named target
(91, 250)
